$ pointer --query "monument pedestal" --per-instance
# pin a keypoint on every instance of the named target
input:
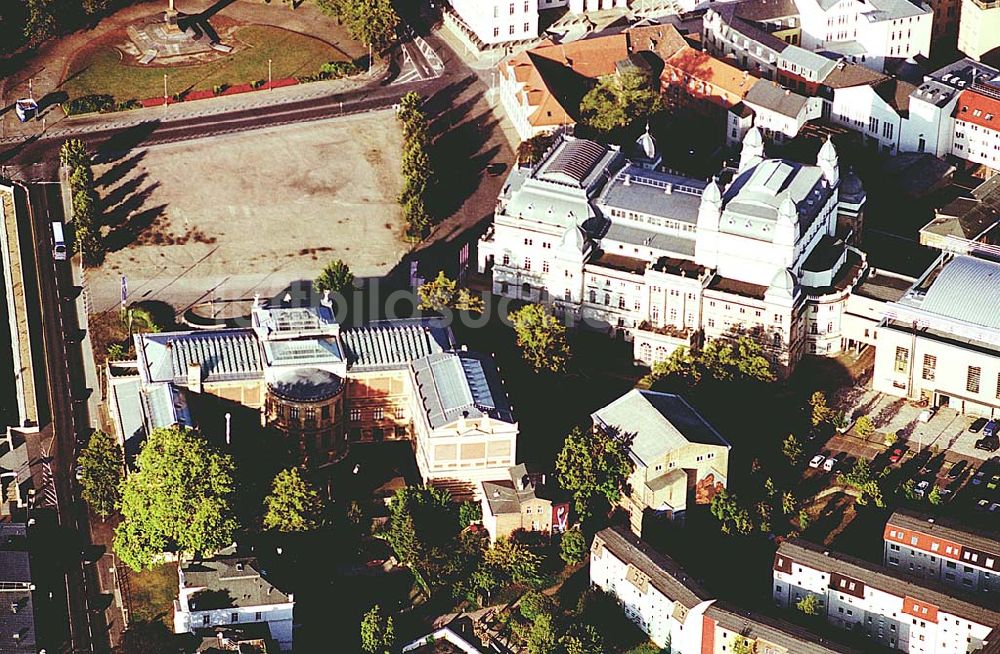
(170, 21)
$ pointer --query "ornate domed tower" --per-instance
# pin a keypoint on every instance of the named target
(786, 229)
(828, 162)
(753, 149)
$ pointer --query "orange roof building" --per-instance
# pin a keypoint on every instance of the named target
(695, 75)
(541, 88)
(977, 128)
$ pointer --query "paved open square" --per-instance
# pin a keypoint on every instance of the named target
(253, 211)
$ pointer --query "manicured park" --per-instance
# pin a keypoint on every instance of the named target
(104, 70)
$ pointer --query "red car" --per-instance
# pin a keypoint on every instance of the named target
(897, 454)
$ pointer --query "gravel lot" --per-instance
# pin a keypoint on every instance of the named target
(252, 212)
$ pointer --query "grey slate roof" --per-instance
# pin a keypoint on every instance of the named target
(236, 582)
(15, 577)
(456, 384)
(979, 537)
(395, 344)
(658, 423)
(981, 609)
(757, 194)
(224, 355)
(664, 573)
(966, 289)
(505, 496)
(809, 61)
(769, 95)
(164, 405)
(731, 15)
(645, 191)
(777, 632)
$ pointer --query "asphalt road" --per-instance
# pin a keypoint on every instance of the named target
(36, 159)
(84, 629)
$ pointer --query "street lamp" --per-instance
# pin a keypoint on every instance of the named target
(228, 418)
(164, 89)
(269, 87)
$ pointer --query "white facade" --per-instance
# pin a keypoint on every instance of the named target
(786, 119)
(504, 21)
(499, 21)
(974, 142)
(941, 341)
(670, 621)
(627, 250)
(862, 109)
(929, 126)
(241, 584)
(979, 28)
(884, 28)
(894, 613)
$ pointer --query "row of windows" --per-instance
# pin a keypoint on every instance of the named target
(379, 413)
(526, 29)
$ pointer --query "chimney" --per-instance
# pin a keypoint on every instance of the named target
(485, 424)
(461, 422)
(194, 377)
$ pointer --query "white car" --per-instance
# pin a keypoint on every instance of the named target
(816, 461)
(922, 488)
(994, 507)
(831, 463)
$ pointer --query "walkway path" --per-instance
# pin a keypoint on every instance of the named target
(49, 66)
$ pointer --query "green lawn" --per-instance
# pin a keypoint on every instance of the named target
(102, 71)
(151, 594)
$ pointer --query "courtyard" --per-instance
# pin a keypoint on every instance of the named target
(253, 211)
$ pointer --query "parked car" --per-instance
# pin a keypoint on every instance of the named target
(944, 494)
(957, 469)
(994, 481)
(977, 425)
(988, 443)
(922, 488)
(979, 476)
(816, 461)
(495, 169)
(897, 453)
(982, 504)
(994, 507)
(831, 463)
(992, 429)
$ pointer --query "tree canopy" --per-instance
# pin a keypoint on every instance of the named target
(866, 481)
(293, 504)
(442, 293)
(335, 277)
(101, 473)
(377, 633)
(737, 357)
(733, 517)
(792, 449)
(573, 547)
(592, 465)
(373, 22)
(541, 337)
(618, 100)
(178, 498)
(810, 604)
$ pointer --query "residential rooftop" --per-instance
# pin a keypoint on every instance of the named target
(979, 537)
(228, 582)
(457, 385)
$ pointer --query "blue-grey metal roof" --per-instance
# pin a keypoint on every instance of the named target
(658, 423)
(224, 355)
(769, 95)
(457, 384)
(653, 193)
(751, 202)
(575, 162)
(966, 289)
(394, 344)
(126, 405)
(165, 406)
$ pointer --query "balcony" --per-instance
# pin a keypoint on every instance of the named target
(681, 333)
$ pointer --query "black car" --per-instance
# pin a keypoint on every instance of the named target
(957, 469)
(988, 443)
(977, 425)
(496, 169)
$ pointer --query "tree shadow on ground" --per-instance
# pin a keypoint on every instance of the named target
(117, 195)
(119, 213)
(460, 159)
(121, 143)
(126, 234)
(118, 171)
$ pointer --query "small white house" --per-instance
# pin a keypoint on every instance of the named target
(230, 590)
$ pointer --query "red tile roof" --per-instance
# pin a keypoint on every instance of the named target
(978, 110)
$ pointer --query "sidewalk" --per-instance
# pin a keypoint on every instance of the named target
(48, 67)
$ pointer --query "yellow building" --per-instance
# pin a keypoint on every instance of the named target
(679, 458)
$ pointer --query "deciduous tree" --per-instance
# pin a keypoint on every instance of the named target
(582, 639)
(530, 152)
(541, 337)
(41, 21)
(618, 100)
(377, 633)
(810, 604)
(593, 464)
(542, 638)
(732, 517)
(101, 473)
(788, 503)
(442, 293)
(293, 504)
(573, 547)
(73, 154)
(820, 410)
(862, 478)
(179, 498)
(864, 427)
(792, 449)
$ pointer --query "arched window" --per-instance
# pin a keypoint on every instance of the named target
(645, 351)
(661, 353)
(593, 296)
